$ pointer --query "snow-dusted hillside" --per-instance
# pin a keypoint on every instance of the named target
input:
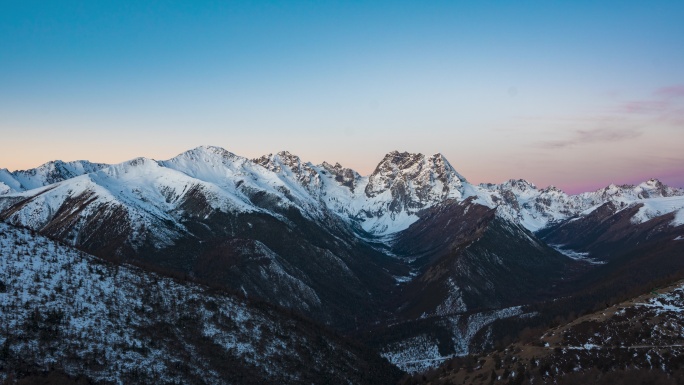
(60, 308)
(638, 341)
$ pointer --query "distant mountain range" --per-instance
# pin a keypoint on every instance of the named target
(385, 202)
(413, 259)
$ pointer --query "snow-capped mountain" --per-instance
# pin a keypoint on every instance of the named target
(183, 212)
(382, 203)
(226, 219)
(403, 184)
(45, 174)
(139, 201)
(535, 208)
(385, 202)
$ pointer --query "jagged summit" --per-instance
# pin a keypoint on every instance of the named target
(407, 172)
(520, 184)
(274, 162)
(343, 175)
(139, 161)
(652, 188)
(411, 162)
(400, 160)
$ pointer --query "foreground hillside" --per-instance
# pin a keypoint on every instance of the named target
(62, 310)
(637, 341)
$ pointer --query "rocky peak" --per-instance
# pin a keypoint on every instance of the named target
(140, 161)
(51, 172)
(266, 161)
(654, 188)
(139, 165)
(552, 189)
(444, 170)
(276, 162)
(519, 185)
(395, 169)
(554, 192)
(290, 160)
(344, 176)
(414, 181)
(396, 160)
(291, 166)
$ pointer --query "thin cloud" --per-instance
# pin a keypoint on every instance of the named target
(667, 106)
(671, 92)
(624, 121)
(644, 107)
(599, 135)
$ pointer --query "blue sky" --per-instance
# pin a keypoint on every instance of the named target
(576, 94)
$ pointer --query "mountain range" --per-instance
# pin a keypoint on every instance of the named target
(413, 260)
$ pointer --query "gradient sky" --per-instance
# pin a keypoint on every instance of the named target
(578, 94)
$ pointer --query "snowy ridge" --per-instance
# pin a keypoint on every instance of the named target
(385, 202)
(151, 196)
(655, 207)
(521, 201)
(45, 174)
(236, 175)
(8, 182)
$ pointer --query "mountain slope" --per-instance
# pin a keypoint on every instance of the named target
(466, 248)
(472, 267)
(66, 310)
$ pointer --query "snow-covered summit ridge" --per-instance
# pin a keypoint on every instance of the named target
(535, 208)
(652, 188)
(655, 207)
(45, 174)
(387, 201)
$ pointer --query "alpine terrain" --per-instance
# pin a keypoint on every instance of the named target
(212, 268)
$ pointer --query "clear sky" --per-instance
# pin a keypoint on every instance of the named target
(578, 94)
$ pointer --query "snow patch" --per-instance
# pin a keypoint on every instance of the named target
(577, 255)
